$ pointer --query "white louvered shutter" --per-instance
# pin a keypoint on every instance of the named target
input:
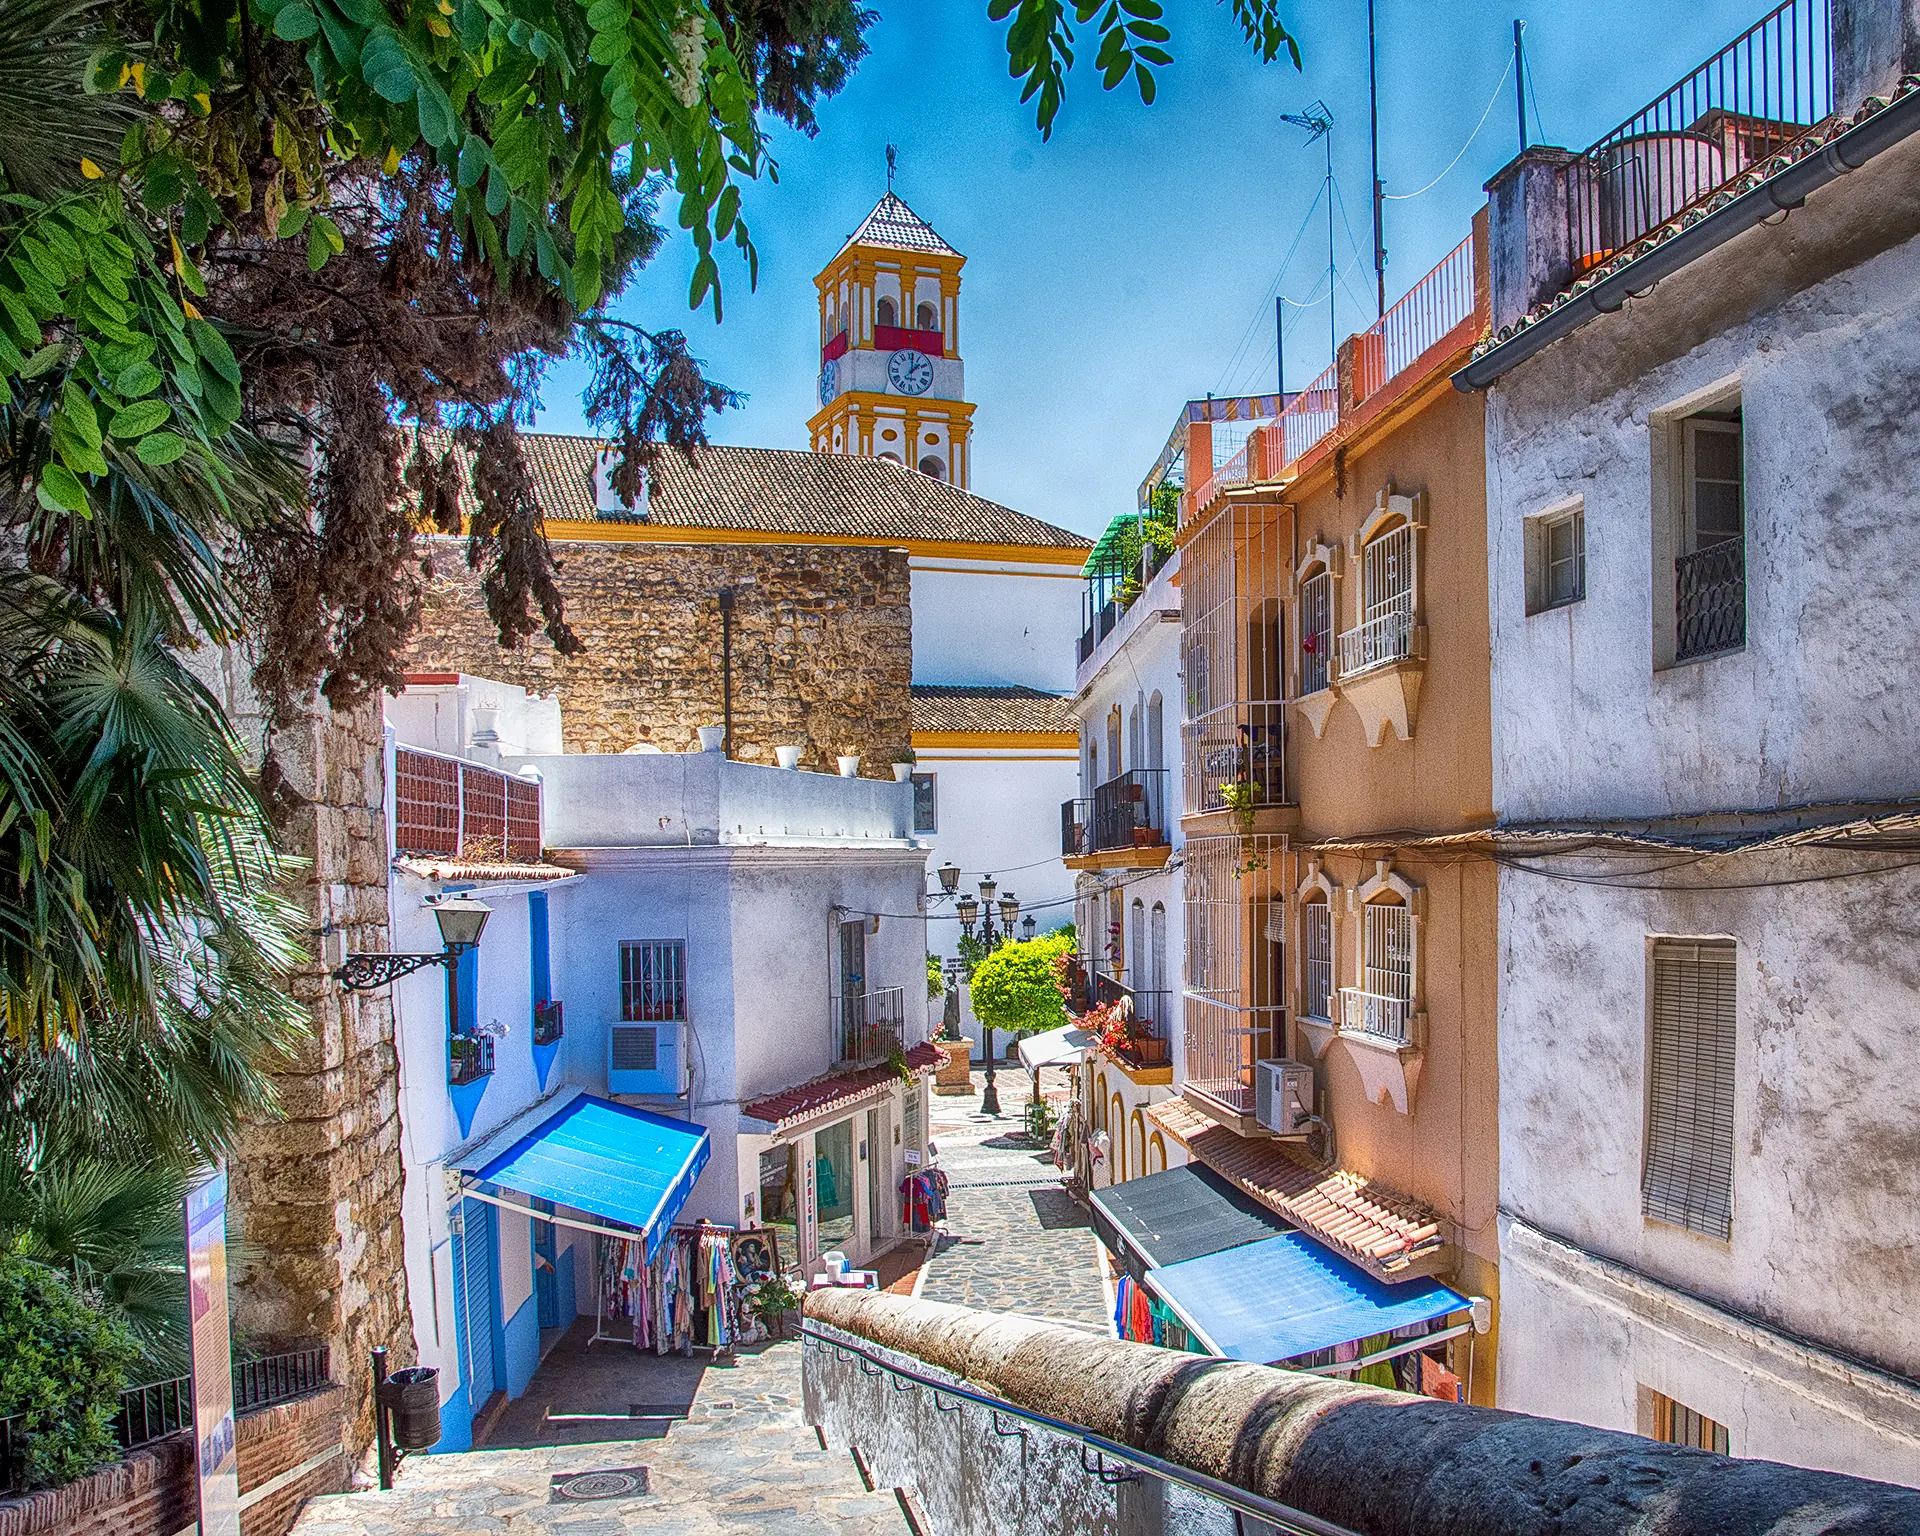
(1689, 1167)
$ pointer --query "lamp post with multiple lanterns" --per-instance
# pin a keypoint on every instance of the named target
(972, 912)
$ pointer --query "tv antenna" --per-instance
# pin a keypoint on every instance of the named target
(1317, 120)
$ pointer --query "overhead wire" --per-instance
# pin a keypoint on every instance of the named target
(1403, 197)
(1279, 277)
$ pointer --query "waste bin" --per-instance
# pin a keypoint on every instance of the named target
(412, 1399)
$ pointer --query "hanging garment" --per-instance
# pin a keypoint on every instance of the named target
(1437, 1381)
(828, 1186)
(1380, 1373)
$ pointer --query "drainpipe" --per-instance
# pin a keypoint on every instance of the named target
(726, 671)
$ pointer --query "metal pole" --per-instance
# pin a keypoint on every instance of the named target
(1280, 349)
(1333, 276)
(990, 1098)
(1520, 80)
(383, 1434)
(726, 671)
(1373, 136)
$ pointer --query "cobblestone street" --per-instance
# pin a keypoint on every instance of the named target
(1015, 1241)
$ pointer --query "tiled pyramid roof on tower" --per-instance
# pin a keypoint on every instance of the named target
(895, 226)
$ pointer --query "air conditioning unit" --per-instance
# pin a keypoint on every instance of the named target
(1283, 1096)
(644, 1058)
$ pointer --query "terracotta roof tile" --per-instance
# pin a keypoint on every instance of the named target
(780, 490)
(1384, 1232)
(834, 1090)
(952, 707)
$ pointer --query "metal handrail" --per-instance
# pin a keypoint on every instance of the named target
(1283, 1517)
(1376, 1013)
(1385, 638)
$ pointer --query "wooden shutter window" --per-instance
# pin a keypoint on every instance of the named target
(1689, 1167)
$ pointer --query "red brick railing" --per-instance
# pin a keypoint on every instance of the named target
(454, 809)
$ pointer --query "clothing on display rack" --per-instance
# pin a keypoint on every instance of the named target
(691, 1294)
(1143, 1318)
(923, 1199)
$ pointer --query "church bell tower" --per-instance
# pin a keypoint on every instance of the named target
(891, 381)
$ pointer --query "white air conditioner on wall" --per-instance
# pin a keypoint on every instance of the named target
(1283, 1096)
(644, 1058)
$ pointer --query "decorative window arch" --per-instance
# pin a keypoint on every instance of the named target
(1386, 553)
(1140, 974)
(1157, 948)
(931, 465)
(1156, 731)
(1313, 612)
(1387, 956)
(927, 317)
(1117, 1130)
(1156, 1154)
(884, 312)
(1100, 1104)
(1317, 970)
(1137, 1146)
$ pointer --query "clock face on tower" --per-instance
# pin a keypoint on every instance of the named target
(829, 383)
(910, 372)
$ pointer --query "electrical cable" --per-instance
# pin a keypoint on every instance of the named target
(1402, 197)
(1286, 261)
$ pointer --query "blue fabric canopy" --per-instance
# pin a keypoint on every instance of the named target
(609, 1160)
(1285, 1296)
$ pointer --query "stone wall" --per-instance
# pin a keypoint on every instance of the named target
(1372, 1462)
(317, 1192)
(288, 1453)
(822, 646)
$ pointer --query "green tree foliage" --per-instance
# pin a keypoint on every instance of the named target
(1017, 987)
(936, 979)
(62, 1365)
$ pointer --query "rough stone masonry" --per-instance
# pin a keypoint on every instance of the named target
(822, 646)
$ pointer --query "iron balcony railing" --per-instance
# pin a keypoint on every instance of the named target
(1224, 1040)
(277, 1378)
(1310, 415)
(1150, 1035)
(1436, 306)
(549, 1022)
(869, 1026)
(1130, 811)
(1756, 97)
(1076, 828)
(1388, 637)
(1710, 598)
(469, 1058)
(1372, 1013)
(450, 808)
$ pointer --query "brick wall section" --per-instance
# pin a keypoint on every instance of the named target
(151, 1493)
(822, 646)
(317, 1192)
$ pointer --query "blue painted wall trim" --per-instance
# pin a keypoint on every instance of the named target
(456, 1424)
(540, 948)
(521, 1349)
(568, 1297)
(463, 1012)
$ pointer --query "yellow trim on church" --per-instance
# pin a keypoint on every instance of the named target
(1065, 741)
(611, 531)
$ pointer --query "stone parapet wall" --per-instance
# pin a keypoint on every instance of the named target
(822, 646)
(1371, 1462)
(288, 1453)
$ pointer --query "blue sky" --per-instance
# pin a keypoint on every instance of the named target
(1130, 263)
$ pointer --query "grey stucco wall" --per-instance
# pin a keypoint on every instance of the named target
(1818, 319)
(1826, 1164)
(1378, 1463)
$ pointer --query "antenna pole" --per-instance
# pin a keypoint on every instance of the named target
(1520, 80)
(1280, 349)
(1379, 208)
(1333, 274)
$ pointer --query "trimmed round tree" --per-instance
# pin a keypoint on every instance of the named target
(1017, 987)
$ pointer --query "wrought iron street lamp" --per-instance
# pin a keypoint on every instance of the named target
(462, 920)
(981, 911)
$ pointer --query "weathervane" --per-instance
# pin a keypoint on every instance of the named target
(893, 157)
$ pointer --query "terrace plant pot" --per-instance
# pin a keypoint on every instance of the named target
(902, 772)
(787, 757)
(1146, 837)
(849, 765)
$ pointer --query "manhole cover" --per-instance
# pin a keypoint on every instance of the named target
(611, 1483)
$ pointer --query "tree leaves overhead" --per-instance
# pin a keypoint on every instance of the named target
(1133, 41)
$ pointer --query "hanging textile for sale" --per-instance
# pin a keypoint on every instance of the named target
(626, 1287)
(923, 1199)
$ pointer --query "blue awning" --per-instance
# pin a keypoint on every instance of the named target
(609, 1160)
(1285, 1296)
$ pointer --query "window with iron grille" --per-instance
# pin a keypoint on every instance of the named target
(1316, 949)
(1674, 1423)
(1688, 1178)
(1710, 568)
(653, 980)
(1316, 631)
(1389, 952)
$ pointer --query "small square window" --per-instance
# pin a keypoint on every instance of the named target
(924, 805)
(1556, 558)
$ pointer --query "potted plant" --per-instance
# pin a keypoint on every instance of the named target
(849, 765)
(771, 1301)
(903, 766)
(787, 757)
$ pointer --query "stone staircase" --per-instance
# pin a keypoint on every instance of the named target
(742, 1460)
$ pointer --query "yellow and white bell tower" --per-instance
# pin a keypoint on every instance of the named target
(891, 381)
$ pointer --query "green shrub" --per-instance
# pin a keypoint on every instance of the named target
(1017, 987)
(62, 1365)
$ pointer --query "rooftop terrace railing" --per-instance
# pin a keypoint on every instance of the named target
(1427, 315)
(448, 807)
(1757, 96)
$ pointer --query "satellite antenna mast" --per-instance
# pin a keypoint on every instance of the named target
(1318, 122)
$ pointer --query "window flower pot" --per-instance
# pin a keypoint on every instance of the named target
(849, 765)
(787, 757)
